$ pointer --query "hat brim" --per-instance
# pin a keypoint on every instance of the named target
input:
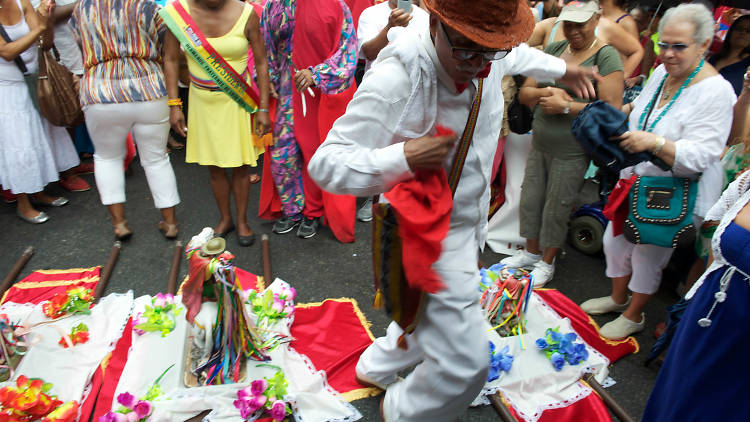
(495, 35)
(576, 16)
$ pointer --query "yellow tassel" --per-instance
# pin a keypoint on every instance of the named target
(379, 302)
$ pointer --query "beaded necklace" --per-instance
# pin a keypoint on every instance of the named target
(647, 111)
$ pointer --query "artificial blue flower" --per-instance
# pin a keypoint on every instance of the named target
(506, 359)
(496, 267)
(541, 343)
(557, 361)
(554, 335)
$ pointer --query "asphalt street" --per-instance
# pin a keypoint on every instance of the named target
(80, 235)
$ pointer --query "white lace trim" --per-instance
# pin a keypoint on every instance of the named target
(582, 393)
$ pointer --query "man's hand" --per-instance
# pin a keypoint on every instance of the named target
(428, 152)
(177, 120)
(304, 79)
(262, 123)
(579, 80)
(398, 17)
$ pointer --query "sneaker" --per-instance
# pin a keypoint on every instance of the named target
(542, 273)
(285, 225)
(521, 259)
(365, 212)
(308, 228)
(603, 305)
(74, 184)
(84, 168)
(622, 327)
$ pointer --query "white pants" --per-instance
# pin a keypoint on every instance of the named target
(643, 263)
(453, 350)
(109, 125)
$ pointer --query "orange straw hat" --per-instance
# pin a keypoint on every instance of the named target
(496, 24)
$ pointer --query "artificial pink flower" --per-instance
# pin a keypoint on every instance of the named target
(112, 417)
(278, 410)
(143, 408)
(243, 407)
(244, 393)
(160, 300)
(278, 306)
(126, 399)
(257, 402)
(289, 310)
(258, 387)
(131, 417)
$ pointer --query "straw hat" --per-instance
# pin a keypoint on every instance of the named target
(495, 24)
(214, 246)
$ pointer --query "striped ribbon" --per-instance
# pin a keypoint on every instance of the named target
(463, 146)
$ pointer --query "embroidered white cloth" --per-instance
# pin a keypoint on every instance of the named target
(69, 370)
(312, 399)
(532, 385)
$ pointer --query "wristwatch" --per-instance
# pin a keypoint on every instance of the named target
(566, 110)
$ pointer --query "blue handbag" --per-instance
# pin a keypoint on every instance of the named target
(661, 211)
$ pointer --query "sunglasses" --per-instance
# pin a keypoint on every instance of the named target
(677, 47)
(469, 53)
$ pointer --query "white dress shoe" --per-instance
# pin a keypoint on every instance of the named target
(603, 305)
(622, 327)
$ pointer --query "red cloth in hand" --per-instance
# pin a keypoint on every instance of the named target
(616, 209)
(423, 208)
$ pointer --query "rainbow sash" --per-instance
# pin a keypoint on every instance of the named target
(197, 46)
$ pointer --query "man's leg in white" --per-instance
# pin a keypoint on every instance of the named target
(380, 362)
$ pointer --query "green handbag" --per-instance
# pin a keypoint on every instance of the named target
(661, 211)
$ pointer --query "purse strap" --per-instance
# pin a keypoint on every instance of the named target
(18, 60)
(463, 146)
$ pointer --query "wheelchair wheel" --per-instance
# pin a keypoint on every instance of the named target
(586, 234)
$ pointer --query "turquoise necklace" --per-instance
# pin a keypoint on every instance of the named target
(647, 111)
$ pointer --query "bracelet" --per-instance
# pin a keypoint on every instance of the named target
(264, 110)
(174, 102)
(660, 141)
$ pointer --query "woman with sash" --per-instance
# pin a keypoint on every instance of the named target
(226, 116)
(312, 51)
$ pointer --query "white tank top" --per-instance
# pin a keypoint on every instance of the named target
(9, 72)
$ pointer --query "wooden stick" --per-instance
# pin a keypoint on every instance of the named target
(174, 270)
(107, 271)
(500, 408)
(610, 401)
(199, 417)
(266, 255)
(16, 269)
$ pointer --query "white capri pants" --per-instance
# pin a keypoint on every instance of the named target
(109, 125)
(643, 263)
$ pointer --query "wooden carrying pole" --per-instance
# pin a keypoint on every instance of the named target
(266, 256)
(500, 408)
(107, 271)
(16, 269)
(615, 407)
(174, 269)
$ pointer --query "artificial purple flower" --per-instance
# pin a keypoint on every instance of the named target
(143, 408)
(126, 399)
(278, 410)
(558, 361)
(258, 387)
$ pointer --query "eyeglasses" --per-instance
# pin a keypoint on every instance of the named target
(678, 47)
(469, 53)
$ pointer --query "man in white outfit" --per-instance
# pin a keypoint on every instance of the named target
(420, 81)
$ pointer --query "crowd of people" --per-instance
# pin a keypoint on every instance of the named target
(348, 99)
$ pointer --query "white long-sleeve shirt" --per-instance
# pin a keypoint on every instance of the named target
(403, 96)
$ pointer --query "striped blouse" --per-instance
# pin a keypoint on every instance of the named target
(121, 43)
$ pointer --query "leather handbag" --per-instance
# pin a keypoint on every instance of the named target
(661, 211)
(403, 303)
(520, 116)
(58, 99)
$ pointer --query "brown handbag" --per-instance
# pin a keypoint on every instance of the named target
(58, 99)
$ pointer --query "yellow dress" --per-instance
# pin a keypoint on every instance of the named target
(220, 131)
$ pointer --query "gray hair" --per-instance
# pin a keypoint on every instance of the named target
(697, 14)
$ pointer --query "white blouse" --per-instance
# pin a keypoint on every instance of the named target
(698, 122)
(734, 198)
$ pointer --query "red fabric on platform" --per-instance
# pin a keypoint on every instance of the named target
(107, 376)
(616, 209)
(586, 327)
(333, 336)
(590, 409)
(42, 285)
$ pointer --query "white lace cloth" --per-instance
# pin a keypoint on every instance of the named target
(69, 370)
(312, 399)
(532, 385)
